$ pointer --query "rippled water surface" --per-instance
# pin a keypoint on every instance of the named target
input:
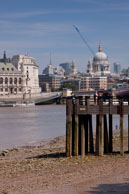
(20, 126)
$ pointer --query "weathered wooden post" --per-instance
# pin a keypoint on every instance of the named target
(86, 134)
(86, 126)
(106, 143)
(100, 126)
(128, 128)
(69, 127)
(76, 128)
(82, 137)
(110, 126)
(91, 134)
(121, 128)
(97, 134)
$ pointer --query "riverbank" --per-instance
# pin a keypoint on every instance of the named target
(43, 168)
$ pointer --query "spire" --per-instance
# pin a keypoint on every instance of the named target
(100, 47)
(4, 57)
(73, 64)
(50, 59)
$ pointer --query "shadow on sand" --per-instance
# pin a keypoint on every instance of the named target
(52, 155)
(122, 188)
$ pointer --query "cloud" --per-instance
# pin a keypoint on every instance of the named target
(40, 29)
(100, 6)
(18, 15)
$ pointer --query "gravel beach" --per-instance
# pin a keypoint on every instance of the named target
(44, 168)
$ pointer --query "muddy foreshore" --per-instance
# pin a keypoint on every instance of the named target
(44, 168)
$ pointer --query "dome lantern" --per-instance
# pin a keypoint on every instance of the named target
(100, 47)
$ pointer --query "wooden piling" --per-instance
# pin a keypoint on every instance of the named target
(97, 135)
(121, 128)
(76, 128)
(69, 127)
(100, 126)
(110, 127)
(82, 137)
(79, 132)
(91, 134)
(128, 128)
(86, 133)
(106, 143)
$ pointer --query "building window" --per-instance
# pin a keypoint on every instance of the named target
(3, 68)
(20, 80)
(7, 69)
(6, 89)
(15, 80)
(6, 80)
(20, 89)
(1, 89)
(12, 69)
(1, 80)
(11, 80)
(15, 89)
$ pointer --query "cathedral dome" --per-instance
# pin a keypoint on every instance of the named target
(100, 56)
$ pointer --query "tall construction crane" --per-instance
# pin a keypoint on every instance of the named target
(84, 40)
(90, 49)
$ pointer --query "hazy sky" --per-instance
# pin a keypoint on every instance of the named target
(38, 27)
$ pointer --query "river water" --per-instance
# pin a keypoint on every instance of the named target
(22, 126)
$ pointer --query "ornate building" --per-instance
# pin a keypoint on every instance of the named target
(19, 76)
(100, 65)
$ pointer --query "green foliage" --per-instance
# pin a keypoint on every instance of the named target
(69, 86)
(52, 90)
(124, 70)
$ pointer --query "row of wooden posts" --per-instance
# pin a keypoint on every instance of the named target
(79, 126)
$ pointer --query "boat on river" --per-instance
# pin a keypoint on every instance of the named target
(24, 104)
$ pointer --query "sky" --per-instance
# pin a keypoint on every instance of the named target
(41, 27)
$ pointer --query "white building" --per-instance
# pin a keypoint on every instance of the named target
(19, 76)
(27, 67)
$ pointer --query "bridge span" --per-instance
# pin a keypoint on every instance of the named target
(48, 98)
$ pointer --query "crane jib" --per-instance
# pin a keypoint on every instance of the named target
(84, 40)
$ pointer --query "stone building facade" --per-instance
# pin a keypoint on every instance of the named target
(94, 83)
(18, 76)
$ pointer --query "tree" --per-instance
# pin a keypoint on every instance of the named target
(69, 86)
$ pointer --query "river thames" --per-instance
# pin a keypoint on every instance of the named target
(23, 126)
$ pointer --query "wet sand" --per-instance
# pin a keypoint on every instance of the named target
(43, 168)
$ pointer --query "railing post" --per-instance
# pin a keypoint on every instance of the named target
(69, 127)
